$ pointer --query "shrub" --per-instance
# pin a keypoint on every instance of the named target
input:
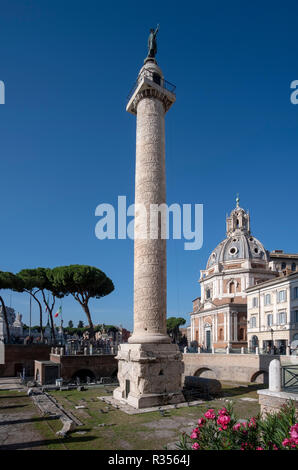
(221, 430)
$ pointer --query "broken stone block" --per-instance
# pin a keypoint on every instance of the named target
(68, 426)
(203, 385)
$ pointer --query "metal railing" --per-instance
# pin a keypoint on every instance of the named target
(90, 352)
(251, 351)
(289, 378)
(155, 78)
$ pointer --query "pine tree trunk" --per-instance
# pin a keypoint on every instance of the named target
(88, 315)
(40, 317)
(40, 322)
(52, 327)
(5, 319)
(50, 314)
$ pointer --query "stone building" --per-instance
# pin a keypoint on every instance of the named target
(219, 317)
(18, 332)
(273, 313)
(14, 323)
(281, 261)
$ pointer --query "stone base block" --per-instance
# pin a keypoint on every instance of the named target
(149, 375)
(271, 402)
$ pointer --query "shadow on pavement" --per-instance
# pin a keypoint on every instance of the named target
(46, 442)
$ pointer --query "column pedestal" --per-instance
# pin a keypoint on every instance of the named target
(149, 375)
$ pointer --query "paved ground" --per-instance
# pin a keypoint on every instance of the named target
(17, 418)
(10, 383)
(103, 426)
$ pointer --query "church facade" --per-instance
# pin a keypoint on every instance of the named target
(240, 261)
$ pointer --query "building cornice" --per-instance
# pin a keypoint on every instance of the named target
(229, 306)
(272, 282)
(237, 271)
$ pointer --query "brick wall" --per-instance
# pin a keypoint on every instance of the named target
(18, 356)
(101, 366)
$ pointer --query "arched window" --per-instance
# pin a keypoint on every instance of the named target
(232, 287)
(293, 266)
(283, 266)
(208, 294)
(221, 337)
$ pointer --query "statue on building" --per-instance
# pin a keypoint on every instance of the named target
(152, 44)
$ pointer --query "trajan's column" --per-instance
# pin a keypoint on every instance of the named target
(150, 366)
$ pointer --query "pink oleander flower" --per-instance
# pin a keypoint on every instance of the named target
(252, 423)
(237, 427)
(210, 414)
(244, 445)
(195, 446)
(294, 431)
(223, 421)
(293, 443)
(286, 442)
(259, 448)
(195, 434)
(201, 422)
(223, 412)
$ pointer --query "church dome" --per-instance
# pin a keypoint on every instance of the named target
(239, 244)
(237, 247)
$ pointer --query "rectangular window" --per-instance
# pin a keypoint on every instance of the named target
(295, 292)
(253, 322)
(281, 296)
(270, 319)
(295, 316)
(267, 299)
(281, 318)
(255, 302)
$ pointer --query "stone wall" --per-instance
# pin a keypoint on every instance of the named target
(235, 367)
(100, 366)
(18, 356)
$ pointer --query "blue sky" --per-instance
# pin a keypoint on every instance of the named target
(67, 144)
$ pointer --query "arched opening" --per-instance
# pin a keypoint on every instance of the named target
(294, 267)
(260, 377)
(156, 78)
(242, 334)
(254, 342)
(206, 373)
(221, 334)
(83, 375)
(232, 287)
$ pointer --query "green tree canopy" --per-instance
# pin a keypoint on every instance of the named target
(40, 280)
(173, 325)
(82, 282)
